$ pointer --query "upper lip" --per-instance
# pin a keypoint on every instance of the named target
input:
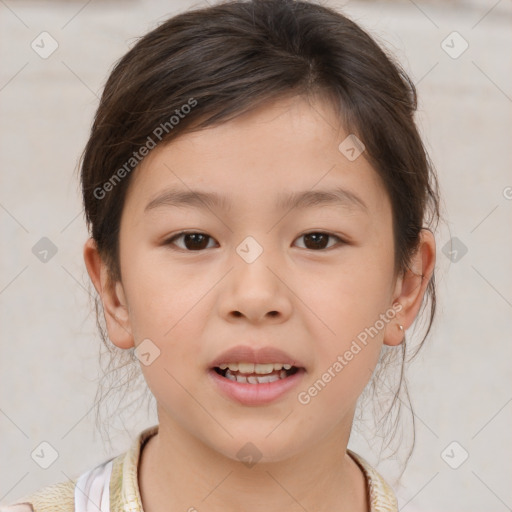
(248, 354)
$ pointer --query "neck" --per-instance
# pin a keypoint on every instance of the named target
(177, 471)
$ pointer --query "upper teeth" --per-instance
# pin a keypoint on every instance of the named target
(262, 369)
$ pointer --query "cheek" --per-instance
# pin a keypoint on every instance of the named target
(347, 299)
(163, 296)
(343, 366)
(165, 308)
(171, 319)
(345, 319)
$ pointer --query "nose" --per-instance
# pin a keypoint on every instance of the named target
(255, 291)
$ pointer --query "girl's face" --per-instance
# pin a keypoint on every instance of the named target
(258, 274)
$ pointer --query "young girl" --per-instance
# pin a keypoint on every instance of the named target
(257, 192)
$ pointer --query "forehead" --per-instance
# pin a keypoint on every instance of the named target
(259, 158)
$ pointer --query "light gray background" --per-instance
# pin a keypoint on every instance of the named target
(460, 385)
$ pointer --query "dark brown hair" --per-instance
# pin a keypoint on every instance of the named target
(224, 60)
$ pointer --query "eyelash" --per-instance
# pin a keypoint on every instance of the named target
(171, 240)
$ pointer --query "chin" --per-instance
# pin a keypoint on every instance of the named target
(258, 447)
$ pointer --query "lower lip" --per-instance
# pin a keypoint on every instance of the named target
(255, 394)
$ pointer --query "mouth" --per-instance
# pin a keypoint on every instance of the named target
(247, 373)
(259, 384)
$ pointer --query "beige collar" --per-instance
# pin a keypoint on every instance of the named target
(125, 494)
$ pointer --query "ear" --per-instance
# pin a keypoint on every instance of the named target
(410, 288)
(112, 297)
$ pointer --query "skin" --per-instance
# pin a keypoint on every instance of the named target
(193, 305)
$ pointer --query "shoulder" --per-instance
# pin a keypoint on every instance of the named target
(111, 485)
(380, 495)
(89, 491)
(58, 497)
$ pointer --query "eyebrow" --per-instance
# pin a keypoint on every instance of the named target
(304, 199)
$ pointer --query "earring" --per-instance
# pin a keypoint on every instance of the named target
(401, 327)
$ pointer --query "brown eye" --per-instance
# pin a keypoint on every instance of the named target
(318, 240)
(192, 241)
(195, 241)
